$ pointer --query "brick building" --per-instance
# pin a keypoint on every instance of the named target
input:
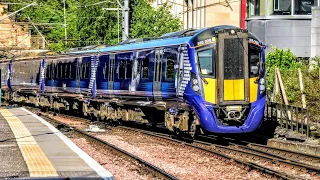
(13, 36)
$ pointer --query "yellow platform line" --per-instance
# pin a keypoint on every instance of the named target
(36, 160)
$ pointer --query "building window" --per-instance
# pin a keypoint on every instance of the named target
(254, 7)
(303, 7)
(280, 7)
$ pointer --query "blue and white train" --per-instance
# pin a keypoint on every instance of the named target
(212, 78)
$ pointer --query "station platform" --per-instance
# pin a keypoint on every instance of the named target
(31, 148)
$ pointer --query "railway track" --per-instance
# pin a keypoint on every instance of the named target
(156, 171)
(251, 151)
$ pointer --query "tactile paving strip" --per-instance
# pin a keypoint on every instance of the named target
(36, 160)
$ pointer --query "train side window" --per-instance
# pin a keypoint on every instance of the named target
(170, 67)
(144, 67)
(121, 71)
(106, 70)
(67, 71)
(72, 70)
(83, 70)
(55, 71)
(87, 70)
(254, 59)
(58, 71)
(206, 62)
(62, 71)
(129, 70)
(47, 72)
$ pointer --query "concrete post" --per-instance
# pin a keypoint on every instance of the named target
(125, 20)
(315, 33)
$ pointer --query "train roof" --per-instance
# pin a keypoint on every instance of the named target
(169, 39)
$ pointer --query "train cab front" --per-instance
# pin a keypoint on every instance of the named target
(230, 73)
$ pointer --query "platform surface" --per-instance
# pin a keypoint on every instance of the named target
(32, 147)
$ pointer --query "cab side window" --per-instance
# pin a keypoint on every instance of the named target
(254, 59)
(206, 62)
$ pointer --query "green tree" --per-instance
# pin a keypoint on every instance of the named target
(149, 22)
(88, 24)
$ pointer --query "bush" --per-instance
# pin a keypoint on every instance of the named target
(288, 65)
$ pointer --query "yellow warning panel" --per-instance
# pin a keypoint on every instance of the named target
(253, 89)
(36, 160)
(210, 90)
(228, 90)
(238, 89)
(233, 90)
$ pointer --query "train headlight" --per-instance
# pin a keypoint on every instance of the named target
(262, 85)
(195, 83)
(196, 88)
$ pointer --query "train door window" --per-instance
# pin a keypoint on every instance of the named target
(206, 62)
(121, 70)
(129, 69)
(170, 67)
(106, 70)
(254, 59)
(145, 70)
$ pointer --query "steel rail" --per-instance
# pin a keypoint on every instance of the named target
(152, 167)
(257, 153)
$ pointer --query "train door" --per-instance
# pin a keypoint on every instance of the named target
(157, 75)
(233, 75)
(111, 71)
(169, 60)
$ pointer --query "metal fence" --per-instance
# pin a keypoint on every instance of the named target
(290, 117)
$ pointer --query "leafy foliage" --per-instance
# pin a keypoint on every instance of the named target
(288, 65)
(88, 24)
(149, 22)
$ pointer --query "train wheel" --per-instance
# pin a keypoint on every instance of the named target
(193, 130)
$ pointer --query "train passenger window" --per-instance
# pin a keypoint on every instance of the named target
(206, 62)
(63, 71)
(72, 70)
(67, 71)
(87, 70)
(145, 70)
(129, 70)
(121, 70)
(170, 67)
(55, 70)
(48, 72)
(83, 70)
(58, 71)
(106, 70)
